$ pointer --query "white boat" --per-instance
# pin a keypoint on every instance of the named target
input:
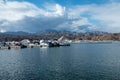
(44, 45)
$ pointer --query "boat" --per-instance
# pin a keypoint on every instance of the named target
(24, 43)
(44, 44)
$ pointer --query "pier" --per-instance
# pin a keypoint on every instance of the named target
(10, 47)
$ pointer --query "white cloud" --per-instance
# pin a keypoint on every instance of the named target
(13, 15)
(2, 31)
(13, 11)
(105, 17)
(54, 10)
(26, 16)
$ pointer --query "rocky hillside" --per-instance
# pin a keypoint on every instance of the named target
(115, 36)
(96, 35)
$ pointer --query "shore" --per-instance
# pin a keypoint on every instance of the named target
(47, 43)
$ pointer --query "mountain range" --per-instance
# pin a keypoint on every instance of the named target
(54, 34)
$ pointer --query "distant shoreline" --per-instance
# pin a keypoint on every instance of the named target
(74, 36)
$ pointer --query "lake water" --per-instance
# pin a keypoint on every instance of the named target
(77, 62)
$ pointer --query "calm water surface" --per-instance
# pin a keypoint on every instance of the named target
(77, 62)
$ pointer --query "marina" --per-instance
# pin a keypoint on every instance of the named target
(30, 44)
(48, 43)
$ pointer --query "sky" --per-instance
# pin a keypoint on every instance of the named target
(70, 15)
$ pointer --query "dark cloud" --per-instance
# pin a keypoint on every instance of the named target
(32, 24)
